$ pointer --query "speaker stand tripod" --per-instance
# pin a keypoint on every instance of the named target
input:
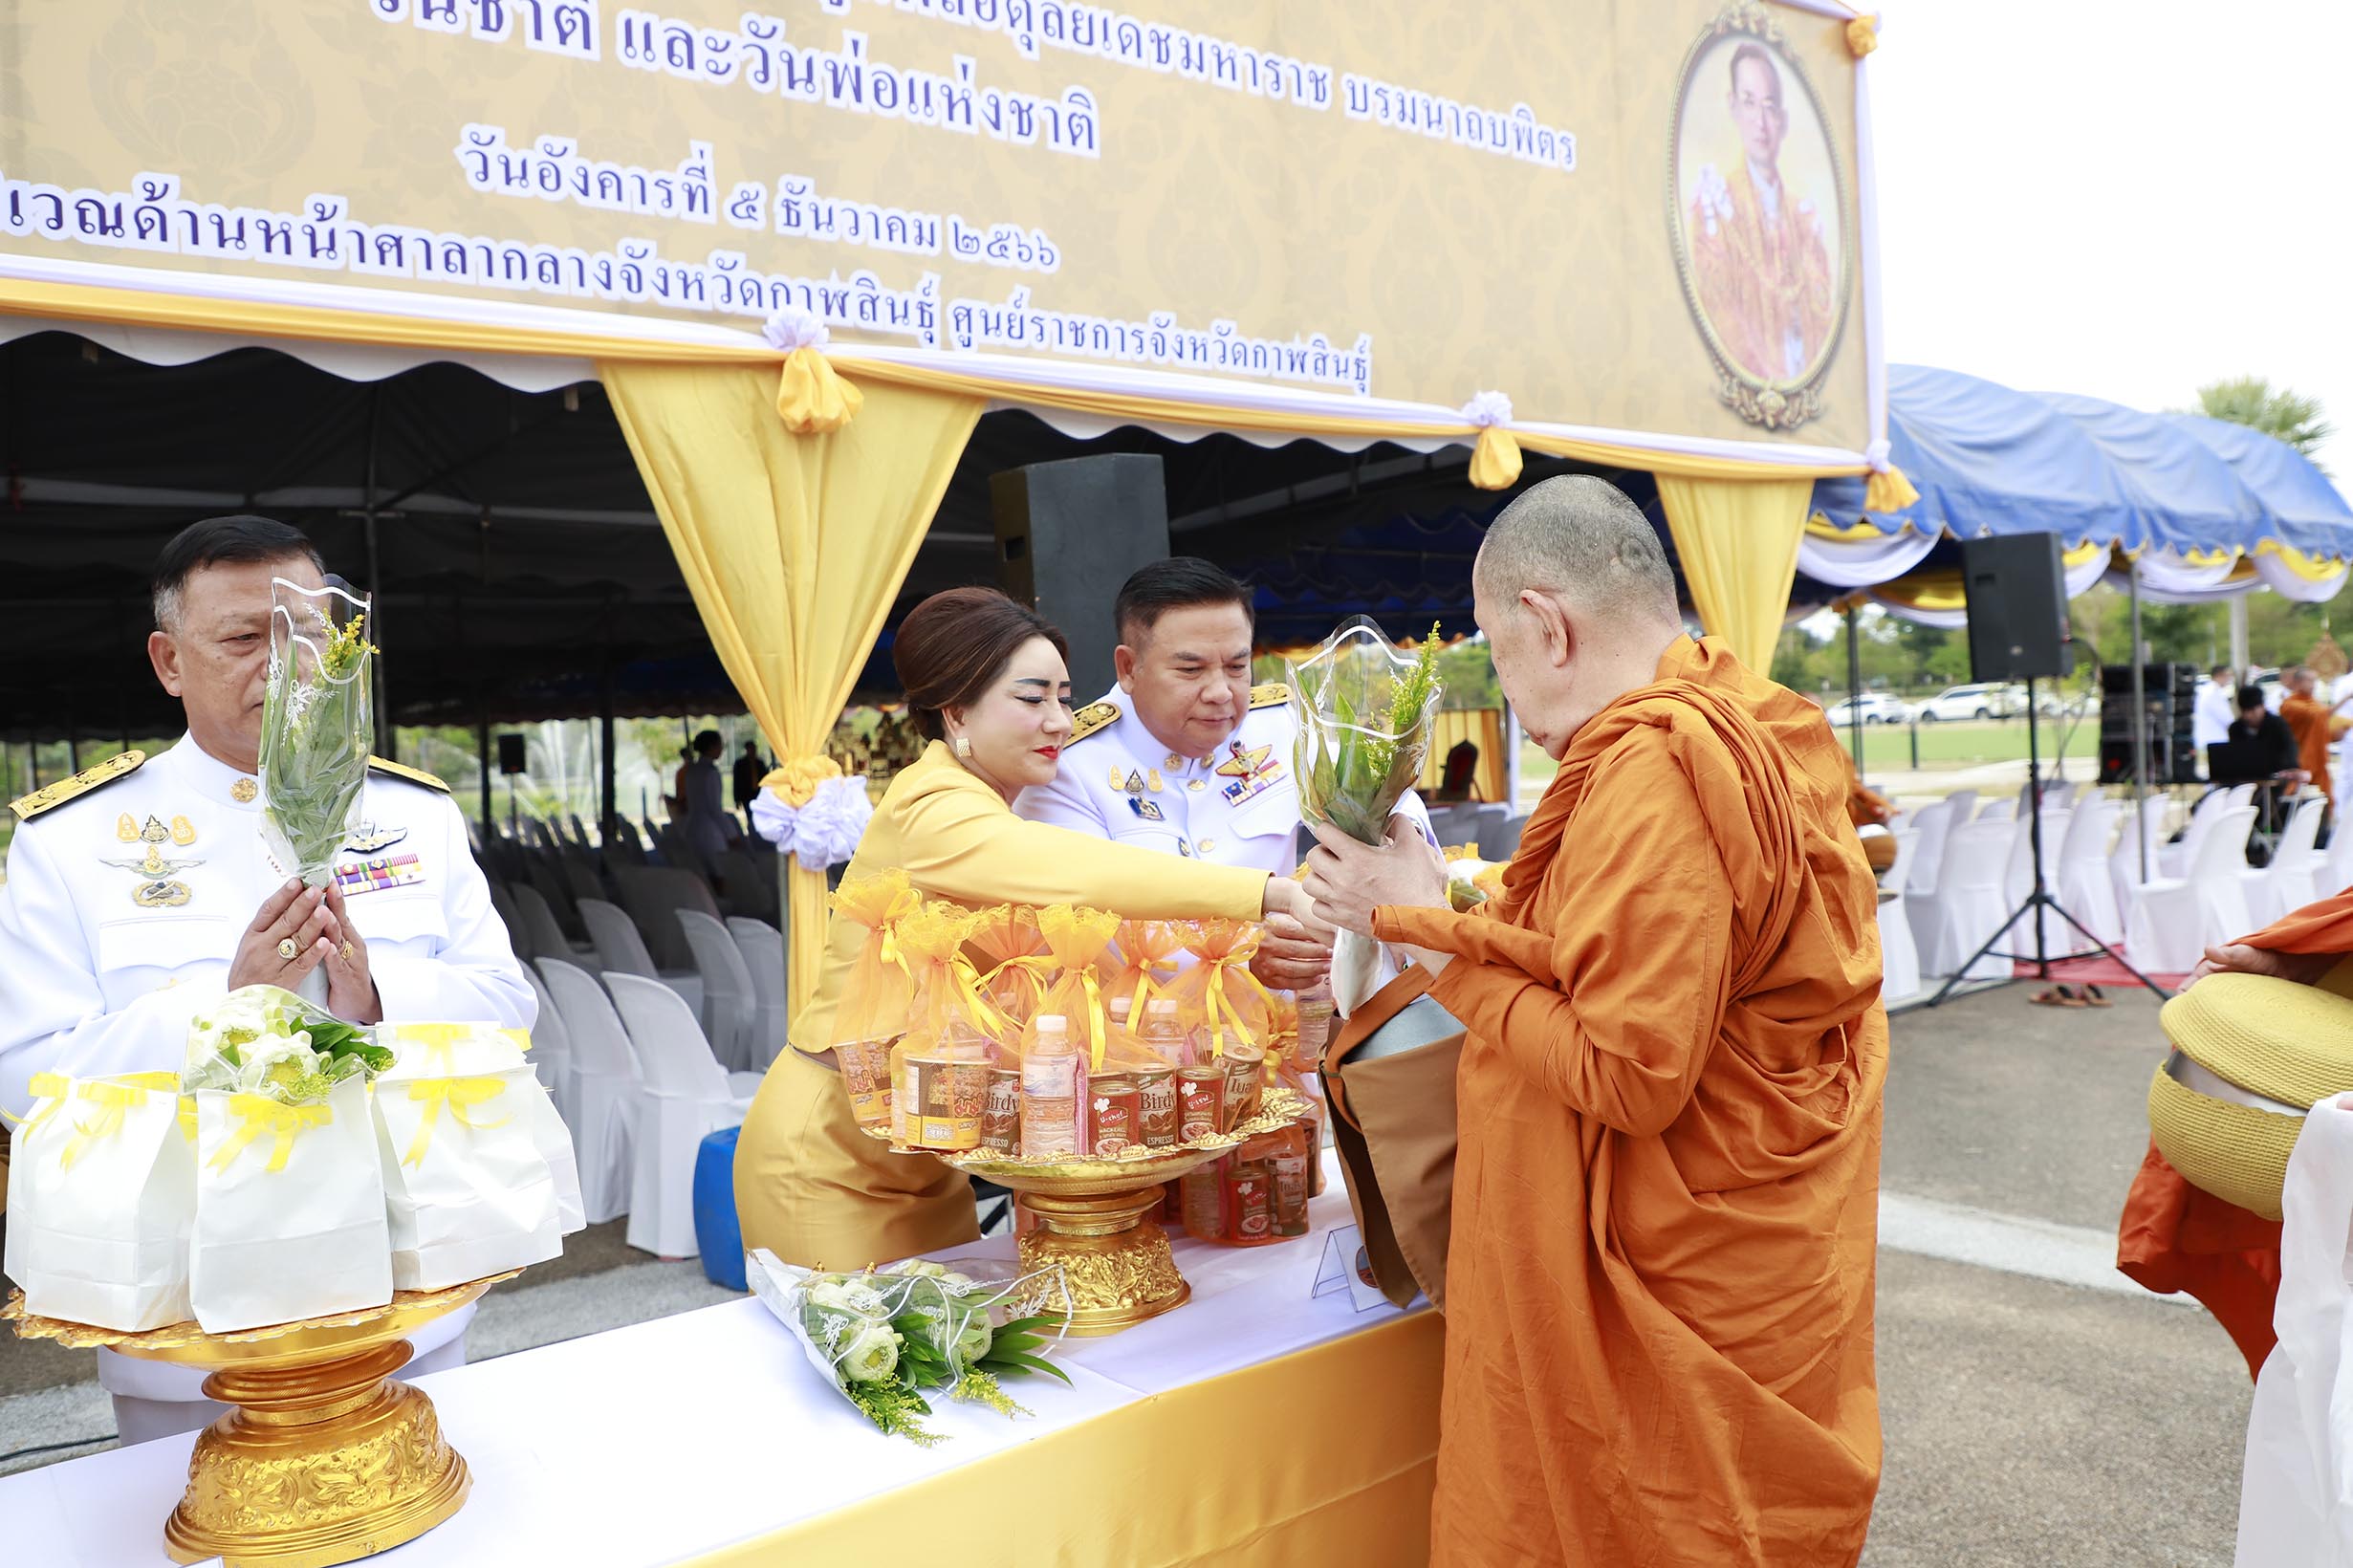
(2039, 897)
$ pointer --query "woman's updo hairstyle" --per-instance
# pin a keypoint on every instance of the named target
(952, 645)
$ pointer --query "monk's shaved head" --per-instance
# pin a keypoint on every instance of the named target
(1580, 538)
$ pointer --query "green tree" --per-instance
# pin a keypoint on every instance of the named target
(2277, 411)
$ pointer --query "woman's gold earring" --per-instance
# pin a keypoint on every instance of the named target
(964, 746)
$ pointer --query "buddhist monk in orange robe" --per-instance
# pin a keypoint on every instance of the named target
(2174, 1237)
(1659, 1288)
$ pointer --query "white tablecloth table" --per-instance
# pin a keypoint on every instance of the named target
(672, 1438)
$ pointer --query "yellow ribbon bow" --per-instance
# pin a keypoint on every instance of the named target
(811, 398)
(1219, 1006)
(439, 1041)
(258, 1114)
(48, 1086)
(795, 779)
(459, 1093)
(112, 1097)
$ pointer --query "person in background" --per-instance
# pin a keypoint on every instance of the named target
(707, 813)
(2210, 714)
(1461, 770)
(1659, 1281)
(2314, 723)
(749, 770)
(2264, 750)
(986, 680)
(675, 802)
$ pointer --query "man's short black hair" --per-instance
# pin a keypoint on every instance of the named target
(708, 740)
(2219, 669)
(2249, 697)
(239, 539)
(1178, 583)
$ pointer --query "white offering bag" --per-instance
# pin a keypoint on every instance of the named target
(471, 1150)
(290, 1210)
(101, 1192)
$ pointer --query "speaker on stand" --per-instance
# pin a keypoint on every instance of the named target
(1069, 534)
(2017, 591)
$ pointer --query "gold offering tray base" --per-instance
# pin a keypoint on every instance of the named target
(1092, 1219)
(323, 1458)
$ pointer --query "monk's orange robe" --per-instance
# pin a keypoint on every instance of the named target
(2315, 726)
(2174, 1237)
(1659, 1289)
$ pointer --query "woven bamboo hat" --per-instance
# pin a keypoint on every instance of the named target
(2251, 1056)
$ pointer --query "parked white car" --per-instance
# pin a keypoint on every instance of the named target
(1981, 700)
(1873, 707)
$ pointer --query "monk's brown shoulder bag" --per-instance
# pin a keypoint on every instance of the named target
(1388, 1073)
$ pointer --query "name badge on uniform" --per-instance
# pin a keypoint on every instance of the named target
(1148, 810)
(376, 875)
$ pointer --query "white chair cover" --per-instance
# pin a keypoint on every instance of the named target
(727, 1000)
(2291, 880)
(2000, 810)
(762, 945)
(2173, 920)
(1964, 804)
(1898, 958)
(2083, 886)
(1967, 905)
(604, 1086)
(546, 932)
(551, 1048)
(622, 951)
(1919, 863)
(2019, 881)
(511, 916)
(684, 1096)
(2125, 859)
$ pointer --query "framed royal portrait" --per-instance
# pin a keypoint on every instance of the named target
(1758, 214)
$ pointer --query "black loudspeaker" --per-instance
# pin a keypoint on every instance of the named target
(1068, 534)
(2017, 608)
(510, 755)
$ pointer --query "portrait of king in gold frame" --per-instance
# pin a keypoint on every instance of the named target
(1757, 213)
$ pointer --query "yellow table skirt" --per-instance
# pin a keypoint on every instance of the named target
(1322, 1457)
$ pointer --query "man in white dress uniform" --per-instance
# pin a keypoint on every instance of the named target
(139, 891)
(1185, 756)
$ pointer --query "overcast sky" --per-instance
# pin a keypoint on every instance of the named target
(2117, 199)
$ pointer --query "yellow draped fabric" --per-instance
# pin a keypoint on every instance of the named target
(793, 546)
(1324, 1456)
(1482, 728)
(1738, 541)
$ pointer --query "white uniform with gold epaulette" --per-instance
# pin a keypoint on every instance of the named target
(129, 887)
(1240, 807)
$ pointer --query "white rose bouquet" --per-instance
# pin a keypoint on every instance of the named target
(887, 1339)
(317, 719)
(264, 1040)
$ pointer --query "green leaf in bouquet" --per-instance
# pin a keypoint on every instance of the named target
(1014, 1359)
(893, 1407)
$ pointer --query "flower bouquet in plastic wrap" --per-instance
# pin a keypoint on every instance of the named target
(1365, 712)
(878, 994)
(888, 1338)
(290, 1196)
(317, 722)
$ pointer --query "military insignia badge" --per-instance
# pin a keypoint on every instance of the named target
(372, 839)
(379, 873)
(157, 887)
(1148, 810)
(183, 832)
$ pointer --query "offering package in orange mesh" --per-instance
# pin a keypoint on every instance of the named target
(940, 1070)
(1012, 957)
(878, 994)
(1069, 1047)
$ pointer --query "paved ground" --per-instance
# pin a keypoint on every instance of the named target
(2038, 1409)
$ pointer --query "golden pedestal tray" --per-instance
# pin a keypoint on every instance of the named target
(323, 1459)
(1092, 1218)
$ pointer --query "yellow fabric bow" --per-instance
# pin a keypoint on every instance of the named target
(1888, 491)
(795, 779)
(48, 1086)
(256, 1115)
(810, 398)
(1861, 36)
(1219, 1006)
(1495, 461)
(111, 1099)
(460, 1095)
(439, 1041)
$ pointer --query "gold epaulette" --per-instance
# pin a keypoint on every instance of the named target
(27, 807)
(415, 776)
(1273, 694)
(1093, 717)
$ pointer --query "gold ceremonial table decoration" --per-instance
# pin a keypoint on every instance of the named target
(1093, 1224)
(325, 1458)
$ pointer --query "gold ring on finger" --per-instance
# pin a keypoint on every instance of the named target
(287, 948)
(347, 949)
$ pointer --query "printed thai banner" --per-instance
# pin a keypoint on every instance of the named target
(1633, 217)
